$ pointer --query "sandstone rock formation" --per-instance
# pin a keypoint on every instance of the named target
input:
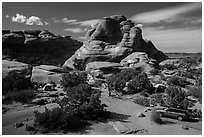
(140, 59)
(46, 74)
(113, 39)
(38, 47)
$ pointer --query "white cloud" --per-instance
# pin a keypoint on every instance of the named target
(139, 25)
(33, 20)
(175, 40)
(46, 23)
(88, 22)
(74, 30)
(19, 18)
(165, 13)
(66, 20)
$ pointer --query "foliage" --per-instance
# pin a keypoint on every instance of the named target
(73, 79)
(140, 83)
(79, 64)
(196, 91)
(169, 66)
(155, 116)
(58, 119)
(177, 98)
(157, 98)
(23, 96)
(154, 72)
(118, 81)
(188, 62)
(16, 80)
(178, 81)
(143, 101)
(80, 104)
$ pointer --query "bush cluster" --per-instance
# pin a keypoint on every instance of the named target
(155, 116)
(178, 81)
(196, 91)
(143, 101)
(23, 96)
(73, 79)
(140, 83)
(118, 81)
(80, 104)
(16, 80)
(177, 98)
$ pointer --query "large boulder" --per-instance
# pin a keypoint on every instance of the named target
(46, 74)
(103, 68)
(113, 39)
(38, 47)
(140, 59)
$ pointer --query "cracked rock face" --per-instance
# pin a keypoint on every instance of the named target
(113, 39)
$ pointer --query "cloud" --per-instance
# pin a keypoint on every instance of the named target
(175, 40)
(166, 13)
(19, 18)
(46, 23)
(66, 20)
(74, 30)
(87, 23)
(139, 25)
(33, 20)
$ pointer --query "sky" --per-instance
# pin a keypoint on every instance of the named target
(171, 26)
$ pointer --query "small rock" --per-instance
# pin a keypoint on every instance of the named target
(185, 127)
(17, 125)
(140, 114)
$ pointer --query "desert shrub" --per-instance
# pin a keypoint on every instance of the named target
(177, 98)
(178, 81)
(143, 101)
(73, 79)
(79, 64)
(58, 119)
(16, 80)
(190, 61)
(81, 103)
(140, 83)
(169, 67)
(157, 98)
(23, 96)
(196, 92)
(118, 81)
(155, 116)
(154, 72)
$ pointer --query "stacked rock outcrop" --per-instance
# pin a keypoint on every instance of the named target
(112, 40)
